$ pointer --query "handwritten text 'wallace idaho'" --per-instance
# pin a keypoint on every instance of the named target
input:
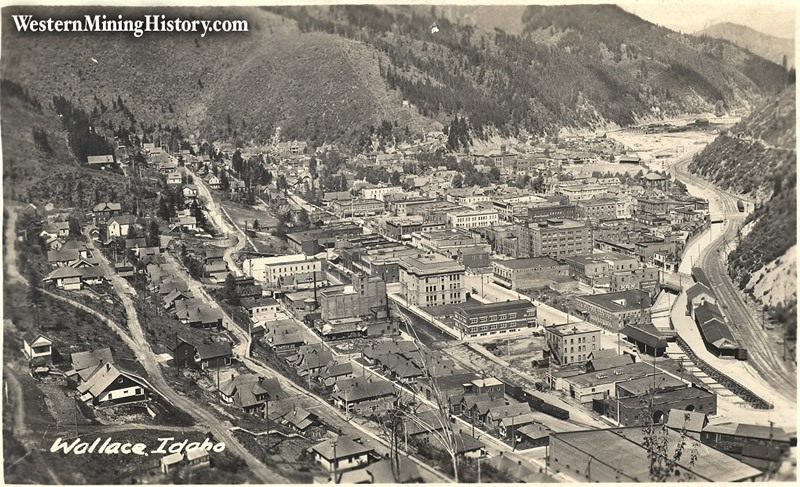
(110, 447)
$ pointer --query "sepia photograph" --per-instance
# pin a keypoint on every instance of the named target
(379, 243)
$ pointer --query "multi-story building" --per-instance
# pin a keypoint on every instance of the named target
(448, 242)
(272, 270)
(516, 207)
(616, 229)
(473, 218)
(615, 310)
(400, 207)
(597, 209)
(366, 296)
(402, 228)
(581, 192)
(485, 319)
(515, 273)
(645, 279)
(378, 193)
(362, 207)
(311, 242)
(572, 343)
(546, 212)
(431, 280)
(647, 205)
(557, 238)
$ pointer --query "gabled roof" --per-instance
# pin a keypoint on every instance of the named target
(645, 333)
(466, 443)
(718, 334)
(707, 312)
(122, 219)
(345, 448)
(383, 472)
(691, 421)
(62, 255)
(509, 411)
(519, 420)
(84, 360)
(611, 362)
(102, 379)
(31, 337)
(107, 206)
(208, 351)
(698, 289)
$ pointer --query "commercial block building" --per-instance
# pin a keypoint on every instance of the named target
(571, 344)
(596, 209)
(484, 319)
(517, 273)
(615, 310)
(362, 207)
(556, 238)
(544, 212)
(272, 270)
(366, 296)
(473, 218)
(431, 280)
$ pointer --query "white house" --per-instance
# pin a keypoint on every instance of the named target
(37, 346)
(110, 385)
(119, 226)
(341, 453)
(174, 178)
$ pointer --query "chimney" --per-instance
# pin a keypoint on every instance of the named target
(260, 379)
(108, 367)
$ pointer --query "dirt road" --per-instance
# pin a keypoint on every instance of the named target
(144, 353)
(10, 258)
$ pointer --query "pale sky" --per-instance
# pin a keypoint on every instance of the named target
(774, 17)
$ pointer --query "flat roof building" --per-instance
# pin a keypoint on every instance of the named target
(431, 280)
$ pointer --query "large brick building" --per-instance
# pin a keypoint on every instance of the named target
(556, 238)
(484, 319)
(613, 311)
(366, 296)
(431, 280)
(515, 273)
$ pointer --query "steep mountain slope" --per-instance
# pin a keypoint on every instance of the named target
(243, 84)
(571, 66)
(758, 158)
(767, 46)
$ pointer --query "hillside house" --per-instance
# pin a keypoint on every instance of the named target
(100, 161)
(106, 210)
(174, 179)
(110, 385)
(120, 225)
(341, 453)
(38, 348)
(214, 182)
(251, 392)
(213, 355)
(55, 229)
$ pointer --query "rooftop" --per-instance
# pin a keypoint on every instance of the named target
(568, 329)
(529, 263)
(628, 300)
(610, 445)
(429, 264)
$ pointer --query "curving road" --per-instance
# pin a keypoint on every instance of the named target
(764, 356)
(145, 354)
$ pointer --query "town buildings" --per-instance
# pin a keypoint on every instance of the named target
(431, 280)
(613, 311)
(572, 344)
(485, 319)
(272, 271)
(521, 273)
(556, 238)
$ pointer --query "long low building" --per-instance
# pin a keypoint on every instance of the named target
(615, 310)
(518, 273)
(620, 455)
(273, 270)
(485, 319)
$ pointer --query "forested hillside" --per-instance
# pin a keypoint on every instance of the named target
(767, 46)
(572, 66)
(758, 158)
(237, 87)
(337, 73)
